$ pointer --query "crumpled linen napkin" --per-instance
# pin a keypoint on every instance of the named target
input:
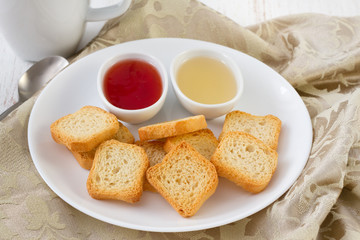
(319, 55)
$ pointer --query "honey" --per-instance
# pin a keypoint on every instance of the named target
(206, 80)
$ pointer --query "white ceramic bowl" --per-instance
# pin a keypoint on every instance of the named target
(210, 111)
(138, 115)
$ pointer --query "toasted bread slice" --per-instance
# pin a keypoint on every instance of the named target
(245, 160)
(185, 178)
(124, 135)
(266, 128)
(85, 159)
(172, 128)
(204, 141)
(156, 153)
(85, 129)
(117, 172)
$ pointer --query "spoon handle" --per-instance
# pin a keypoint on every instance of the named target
(9, 110)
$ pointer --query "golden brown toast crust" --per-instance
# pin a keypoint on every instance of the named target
(266, 128)
(204, 141)
(156, 153)
(85, 159)
(85, 129)
(245, 160)
(118, 172)
(184, 178)
(172, 128)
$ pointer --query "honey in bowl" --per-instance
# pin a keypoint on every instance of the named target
(132, 84)
(206, 80)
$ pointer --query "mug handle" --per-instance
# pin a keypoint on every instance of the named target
(105, 13)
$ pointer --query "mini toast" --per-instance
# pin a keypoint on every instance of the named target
(85, 129)
(172, 128)
(124, 135)
(85, 159)
(204, 141)
(156, 153)
(245, 160)
(118, 172)
(266, 128)
(185, 178)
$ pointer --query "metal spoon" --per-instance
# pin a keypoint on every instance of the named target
(36, 77)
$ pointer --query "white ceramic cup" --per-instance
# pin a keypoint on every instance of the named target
(35, 29)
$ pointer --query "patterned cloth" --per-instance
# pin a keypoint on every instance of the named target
(319, 55)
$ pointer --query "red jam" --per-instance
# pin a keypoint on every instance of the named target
(132, 84)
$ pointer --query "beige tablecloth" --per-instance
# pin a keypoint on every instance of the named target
(319, 55)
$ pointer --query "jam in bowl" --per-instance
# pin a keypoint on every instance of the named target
(133, 86)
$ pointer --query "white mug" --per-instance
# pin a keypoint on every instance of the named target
(35, 29)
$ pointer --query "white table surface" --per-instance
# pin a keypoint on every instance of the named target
(244, 12)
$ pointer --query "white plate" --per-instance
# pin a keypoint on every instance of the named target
(265, 92)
